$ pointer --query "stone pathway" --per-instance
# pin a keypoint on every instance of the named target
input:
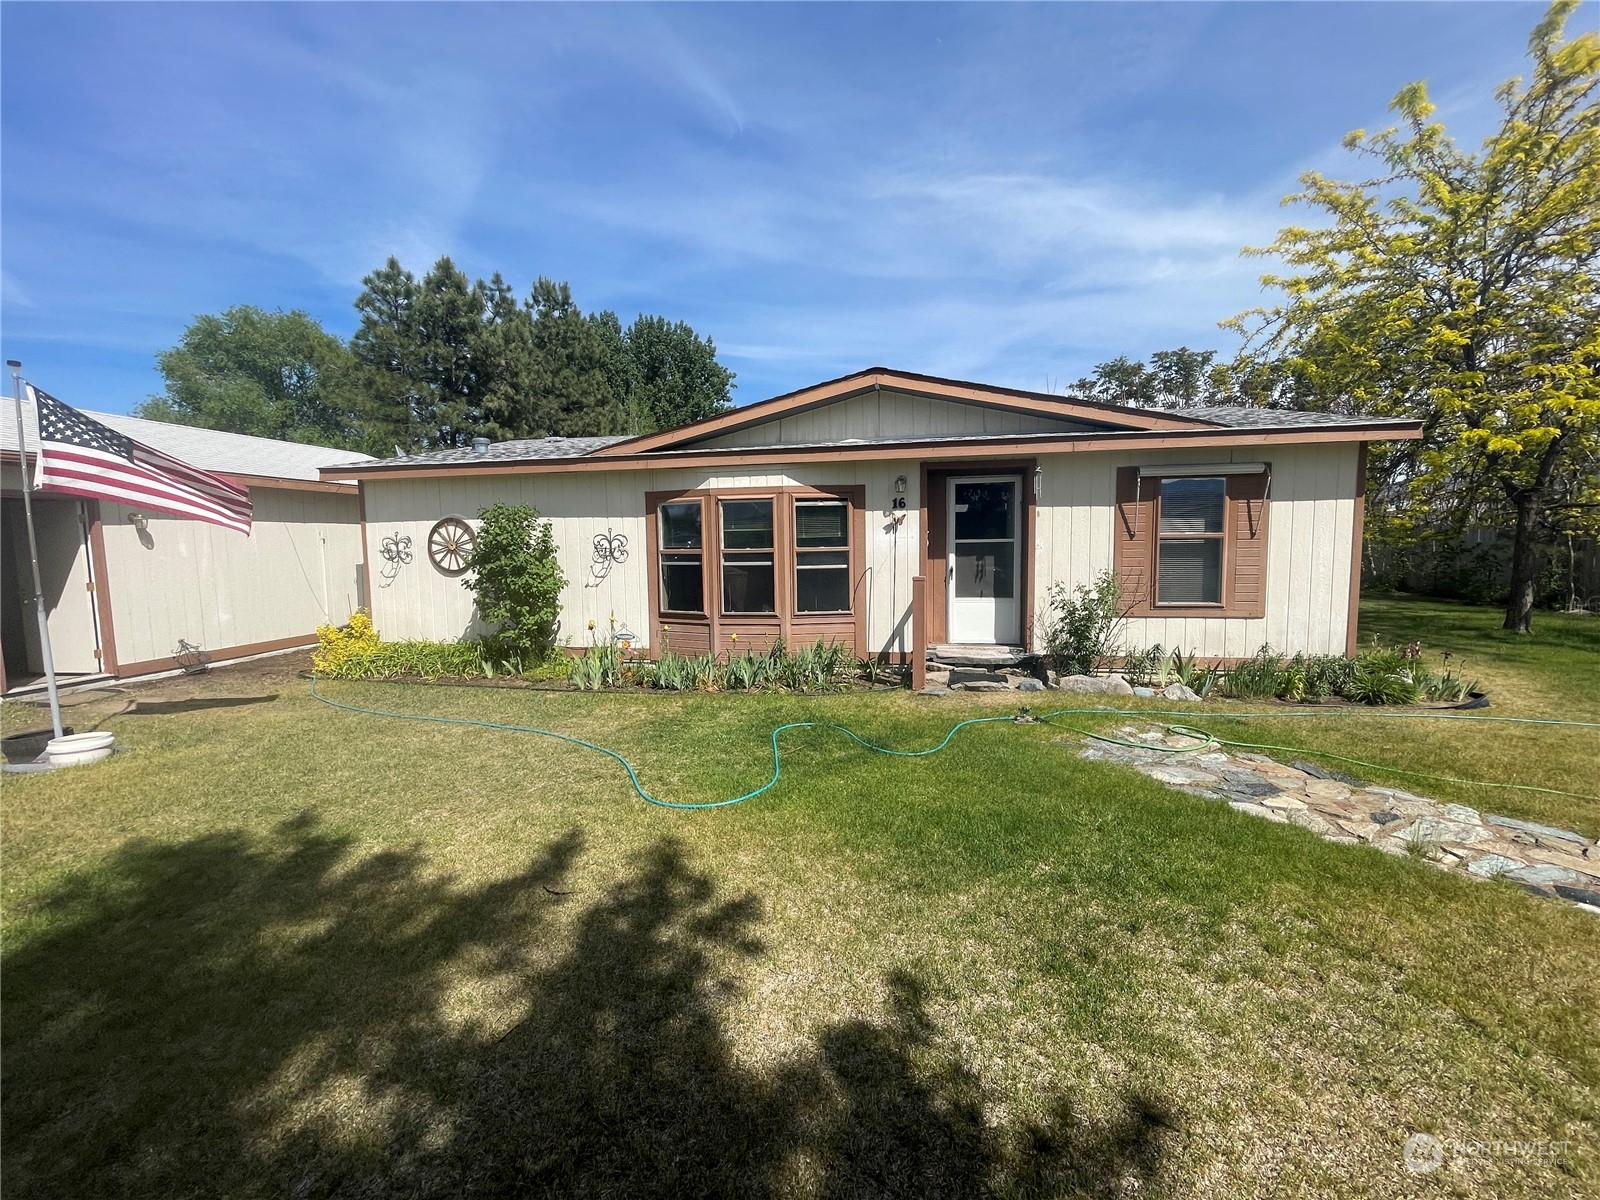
(1554, 863)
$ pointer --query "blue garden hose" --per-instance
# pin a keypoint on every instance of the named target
(1208, 740)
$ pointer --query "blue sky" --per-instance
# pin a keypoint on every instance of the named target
(1007, 193)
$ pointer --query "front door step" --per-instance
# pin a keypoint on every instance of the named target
(976, 655)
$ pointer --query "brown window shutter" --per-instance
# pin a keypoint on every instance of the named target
(1247, 545)
(1133, 541)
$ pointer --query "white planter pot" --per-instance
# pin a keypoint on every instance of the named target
(77, 749)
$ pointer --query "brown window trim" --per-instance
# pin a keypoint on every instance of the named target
(655, 558)
(707, 630)
(1136, 536)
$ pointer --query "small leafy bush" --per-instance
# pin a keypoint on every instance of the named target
(341, 647)
(1082, 623)
(514, 575)
(1147, 667)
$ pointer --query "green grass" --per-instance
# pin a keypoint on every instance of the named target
(276, 949)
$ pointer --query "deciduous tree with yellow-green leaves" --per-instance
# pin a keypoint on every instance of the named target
(1461, 288)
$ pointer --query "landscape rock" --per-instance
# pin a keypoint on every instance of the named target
(965, 675)
(1538, 830)
(1144, 692)
(1030, 685)
(1556, 864)
(1316, 772)
(1250, 786)
(1181, 775)
(1327, 789)
(1178, 691)
(1437, 829)
(1491, 865)
(1542, 873)
(1579, 895)
(933, 691)
(1114, 685)
(985, 685)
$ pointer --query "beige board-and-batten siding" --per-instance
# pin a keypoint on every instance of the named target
(217, 589)
(416, 600)
(1309, 556)
(1310, 545)
(881, 413)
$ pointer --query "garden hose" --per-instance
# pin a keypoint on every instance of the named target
(1208, 740)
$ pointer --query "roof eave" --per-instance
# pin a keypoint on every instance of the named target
(1063, 443)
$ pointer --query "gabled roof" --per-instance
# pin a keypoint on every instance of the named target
(1085, 425)
(209, 449)
(1096, 413)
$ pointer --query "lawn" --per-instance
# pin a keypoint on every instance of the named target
(277, 949)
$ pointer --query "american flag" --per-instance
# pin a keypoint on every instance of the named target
(84, 458)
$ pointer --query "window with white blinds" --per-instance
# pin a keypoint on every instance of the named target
(1191, 535)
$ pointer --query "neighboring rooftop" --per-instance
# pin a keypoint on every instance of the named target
(208, 449)
(511, 450)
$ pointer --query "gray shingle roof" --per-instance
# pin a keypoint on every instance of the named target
(1238, 416)
(208, 449)
(513, 450)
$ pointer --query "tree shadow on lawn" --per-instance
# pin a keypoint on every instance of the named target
(270, 1016)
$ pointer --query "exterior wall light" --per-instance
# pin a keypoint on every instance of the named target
(1038, 480)
(900, 485)
(139, 521)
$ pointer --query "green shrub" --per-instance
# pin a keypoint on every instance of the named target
(1376, 680)
(1082, 624)
(1255, 678)
(1147, 667)
(514, 575)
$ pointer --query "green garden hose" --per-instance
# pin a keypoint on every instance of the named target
(1208, 741)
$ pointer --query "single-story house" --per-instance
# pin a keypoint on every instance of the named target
(823, 513)
(129, 592)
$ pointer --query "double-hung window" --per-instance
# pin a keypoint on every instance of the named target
(1190, 539)
(821, 556)
(682, 555)
(749, 580)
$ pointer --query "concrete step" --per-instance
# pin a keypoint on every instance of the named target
(975, 655)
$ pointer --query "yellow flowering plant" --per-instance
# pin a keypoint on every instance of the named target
(341, 646)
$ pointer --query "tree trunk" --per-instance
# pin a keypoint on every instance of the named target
(1524, 564)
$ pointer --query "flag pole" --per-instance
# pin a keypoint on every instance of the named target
(33, 550)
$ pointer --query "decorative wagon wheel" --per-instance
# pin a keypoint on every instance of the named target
(450, 544)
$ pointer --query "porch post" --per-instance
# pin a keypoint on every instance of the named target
(919, 632)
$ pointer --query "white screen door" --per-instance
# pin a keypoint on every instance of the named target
(985, 559)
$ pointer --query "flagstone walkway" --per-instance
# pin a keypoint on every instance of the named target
(1550, 862)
